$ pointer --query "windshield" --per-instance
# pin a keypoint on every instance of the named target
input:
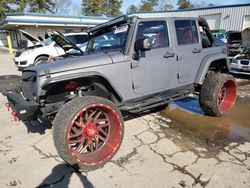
(82, 47)
(47, 41)
(112, 38)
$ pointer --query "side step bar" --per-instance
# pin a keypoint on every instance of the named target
(158, 100)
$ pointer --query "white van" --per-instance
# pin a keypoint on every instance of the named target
(42, 50)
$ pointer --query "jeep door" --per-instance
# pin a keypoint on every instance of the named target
(153, 70)
(188, 49)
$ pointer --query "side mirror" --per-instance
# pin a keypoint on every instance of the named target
(143, 44)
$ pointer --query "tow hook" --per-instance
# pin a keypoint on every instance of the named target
(14, 114)
(7, 106)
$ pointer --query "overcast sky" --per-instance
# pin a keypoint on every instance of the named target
(127, 3)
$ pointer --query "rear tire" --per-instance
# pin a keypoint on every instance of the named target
(218, 94)
(10, 83)
(87, 132)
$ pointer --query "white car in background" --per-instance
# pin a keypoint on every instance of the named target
(43, 50)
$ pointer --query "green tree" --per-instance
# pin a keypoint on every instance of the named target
(102, 7)
(5, 7)
(41, 6)
(20, 5)
(112, 8)
(184, 4)
(38, 6)
(132, 9)
(148, 5)
(93, 7)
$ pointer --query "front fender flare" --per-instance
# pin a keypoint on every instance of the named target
(52, 80)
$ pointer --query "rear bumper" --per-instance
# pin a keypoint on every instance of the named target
(25, 110)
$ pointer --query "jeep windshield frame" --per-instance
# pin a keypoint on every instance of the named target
(110, 36)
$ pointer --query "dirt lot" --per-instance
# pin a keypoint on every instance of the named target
(176, 147)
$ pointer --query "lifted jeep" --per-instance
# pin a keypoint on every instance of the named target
(132, 63)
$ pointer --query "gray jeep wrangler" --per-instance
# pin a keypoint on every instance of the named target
(132, 63)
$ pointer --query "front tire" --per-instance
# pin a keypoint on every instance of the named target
(87, 132)
(218, 94)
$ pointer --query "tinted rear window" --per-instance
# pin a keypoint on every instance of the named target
(156, 30)
(186, 32)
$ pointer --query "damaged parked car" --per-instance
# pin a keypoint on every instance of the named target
(42, 50)
(234, 43)
(240, 64)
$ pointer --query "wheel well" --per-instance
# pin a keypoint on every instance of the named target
(219, 65)
(102, 84)
(42, 55)
(87, 86)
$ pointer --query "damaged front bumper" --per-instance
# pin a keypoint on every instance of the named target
(22, 109)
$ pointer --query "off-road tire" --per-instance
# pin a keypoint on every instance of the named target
(218, 94)
(40, 59)
(10, 83)
(65, 121)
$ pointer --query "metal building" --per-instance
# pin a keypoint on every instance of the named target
(230, 17)
(38, 24)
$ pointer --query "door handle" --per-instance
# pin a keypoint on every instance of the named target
(169, 54)
(196, 50)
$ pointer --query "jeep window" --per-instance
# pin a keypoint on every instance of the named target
(156, 30)
(113, 38)
(186, 32)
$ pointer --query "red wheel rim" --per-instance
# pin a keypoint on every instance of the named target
(95, 134)
(226, 96)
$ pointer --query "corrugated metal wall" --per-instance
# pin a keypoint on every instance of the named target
(232, 18)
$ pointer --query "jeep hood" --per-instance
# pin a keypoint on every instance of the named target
(71, 64)
(30, 37)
